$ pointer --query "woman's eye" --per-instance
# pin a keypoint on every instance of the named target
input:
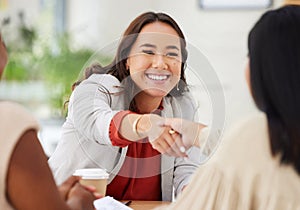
(149, 52)
(172, 54)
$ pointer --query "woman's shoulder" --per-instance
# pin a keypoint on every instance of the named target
(106, 82)
(256, 121)
(8, 108)
(103, 79)
(246, 140)
(245, 126)
(15, 117)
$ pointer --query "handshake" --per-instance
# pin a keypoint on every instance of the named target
(170, 136)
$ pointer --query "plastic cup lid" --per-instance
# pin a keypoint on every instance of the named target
(92, 173)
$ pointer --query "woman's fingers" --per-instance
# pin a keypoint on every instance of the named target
(169, 146)
(65, 187)
(189, 130)
(71, 181)
(179, 142)
(169, 143)
(92, 189)
(174, 141)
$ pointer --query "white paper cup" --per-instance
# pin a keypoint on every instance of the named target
(96, 177)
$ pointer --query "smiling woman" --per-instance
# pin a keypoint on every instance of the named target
(116, 115)
(154, 61)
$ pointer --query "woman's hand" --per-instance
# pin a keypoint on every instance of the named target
(189, 130)
(78, 196)
(66, 186)
(136, 126)
(160, 136)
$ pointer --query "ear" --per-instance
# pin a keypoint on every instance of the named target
(247, 75)
(127, 64)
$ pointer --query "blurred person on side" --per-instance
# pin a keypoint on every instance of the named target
(257, 165)
(26, 181)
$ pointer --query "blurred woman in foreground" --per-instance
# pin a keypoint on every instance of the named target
(26, 181)
(257, 165)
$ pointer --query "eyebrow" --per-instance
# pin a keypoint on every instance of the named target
(148, 45)
(153, 46)
(172, 47)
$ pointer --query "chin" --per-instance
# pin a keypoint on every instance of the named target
(156, 93)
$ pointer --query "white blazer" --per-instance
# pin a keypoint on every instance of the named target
(85, 141)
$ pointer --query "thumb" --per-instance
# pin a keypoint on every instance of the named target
(65, 187)
(71, 181)
(174, 123)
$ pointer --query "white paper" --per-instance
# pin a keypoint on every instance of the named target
(109, 203)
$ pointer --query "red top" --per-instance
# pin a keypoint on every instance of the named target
(139, 177)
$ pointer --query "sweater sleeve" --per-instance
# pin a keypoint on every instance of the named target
(116, 138)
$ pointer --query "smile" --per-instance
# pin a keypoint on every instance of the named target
(157, 77)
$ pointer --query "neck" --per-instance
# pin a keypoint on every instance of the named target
(146, 103)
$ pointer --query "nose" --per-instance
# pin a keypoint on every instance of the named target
(159, 62)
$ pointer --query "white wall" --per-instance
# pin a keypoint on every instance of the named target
(30, 7)
(31, 10)
(220, 35)
(96, 23)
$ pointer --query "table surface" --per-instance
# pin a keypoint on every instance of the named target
(147, 205)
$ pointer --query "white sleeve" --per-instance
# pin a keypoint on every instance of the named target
(90, 107)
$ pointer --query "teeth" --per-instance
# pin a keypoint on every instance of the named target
(157, 77)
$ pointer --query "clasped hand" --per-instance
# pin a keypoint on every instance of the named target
(173, 136)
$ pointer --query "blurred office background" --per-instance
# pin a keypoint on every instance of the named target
(50, 41)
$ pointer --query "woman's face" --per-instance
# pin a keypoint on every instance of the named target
(155, 59)
(3, 56)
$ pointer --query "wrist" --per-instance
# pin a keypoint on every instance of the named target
(143, 125)
(201, 137)
(135, 126)
(146, 124)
